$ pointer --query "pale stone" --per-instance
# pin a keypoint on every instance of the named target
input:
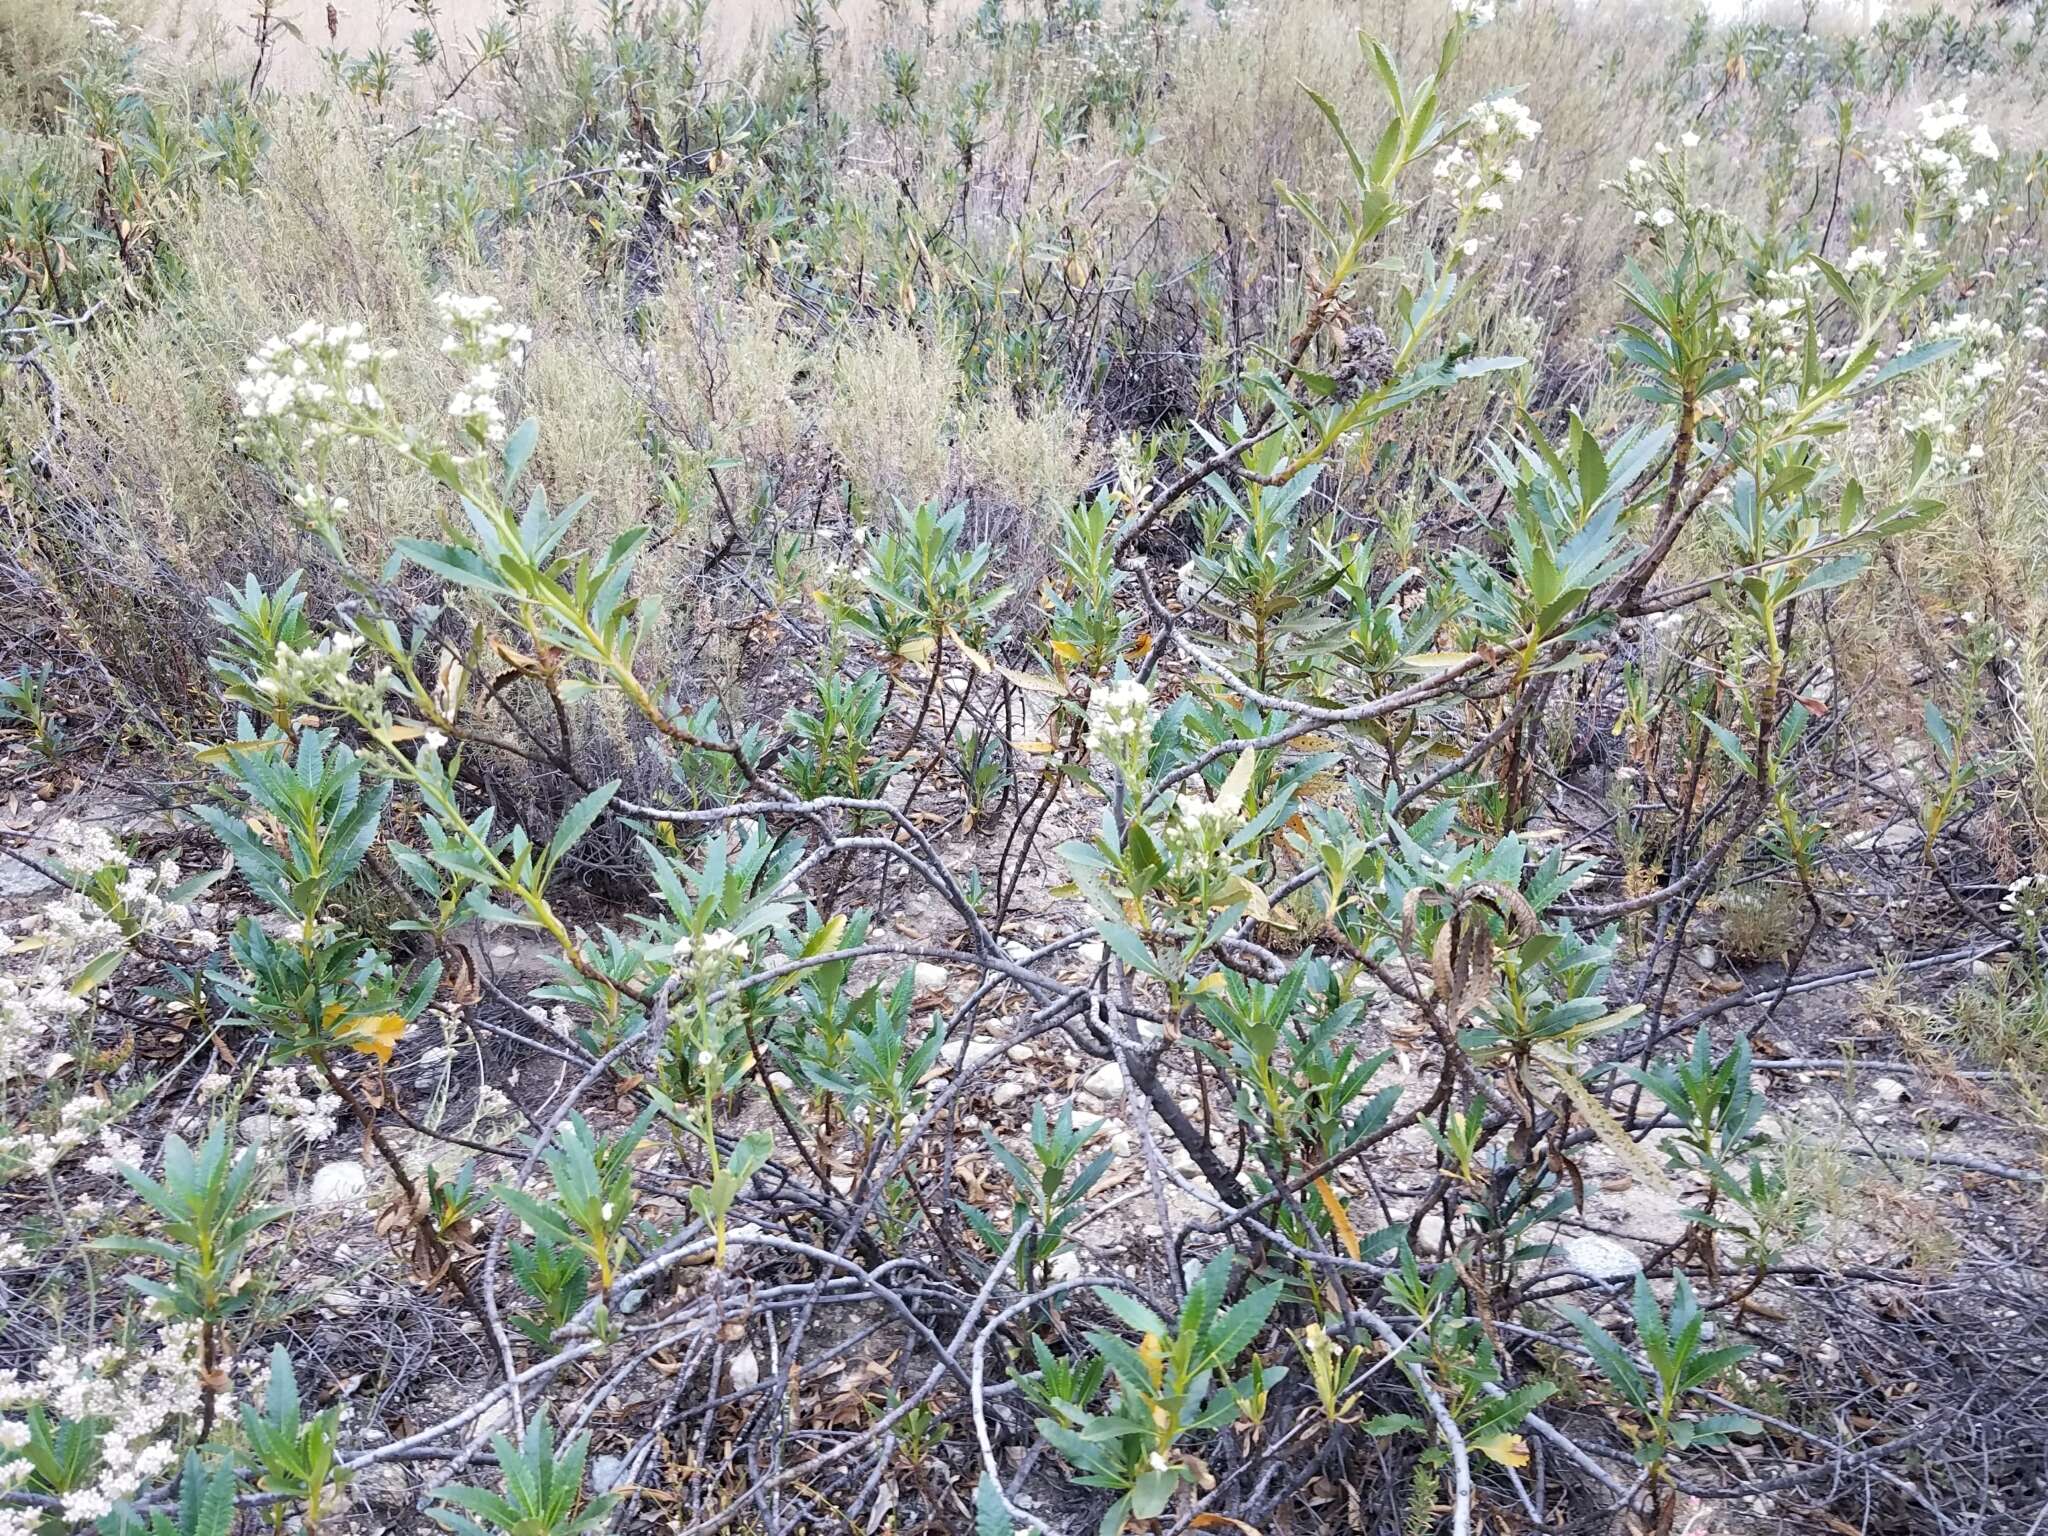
(337, 1183)
(1600, 1257)
(1105, 1082)
(744, 1369)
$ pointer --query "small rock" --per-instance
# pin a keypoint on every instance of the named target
(980, 1052)
(928, 976)
(1007, 1094)
(1600, 1257)
(1105, 1082)
(607, 1473)
(1706, 957)
(1020, 1054)
(1089, 954)
(744, 1369)
(1891, 1090)
(1066, 1265)
(781, 1082)
(336, 1183)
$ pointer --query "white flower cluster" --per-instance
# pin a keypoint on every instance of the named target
(84, 849)
(301, 1106)
(1480, 13)
(100, 24)
(1472, 169)
(1505, 120)
(36, 1152)
(2027, 897)
(1935, 164)
(1949, 394)
(136, 1394)
(1120, 721)
(708, 956)
(482, 342)
(314, 377)
(1771, 327)
(1200, 828)
(1655, 189)
(323, 671)
(37, 1004)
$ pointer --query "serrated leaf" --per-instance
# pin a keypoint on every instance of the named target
(991, 1515)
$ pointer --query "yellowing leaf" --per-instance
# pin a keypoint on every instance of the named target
(374, 1034)
(1254, 899)
(1508, 1450)
(1031, 682)
(919, 649)
(1338, 1219)
(1239, 784)
(1431, 661)
(1609, 1130)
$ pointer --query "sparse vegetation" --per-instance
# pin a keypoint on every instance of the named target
(1093, 766)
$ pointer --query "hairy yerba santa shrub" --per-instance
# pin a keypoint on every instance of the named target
(761, 1195)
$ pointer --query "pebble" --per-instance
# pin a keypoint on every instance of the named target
(1020, 1054)
(1105, 1082)
(977, 1053)
(1600, 1257)
(1007, 1094)
(1891, 1090)
(929, 977)
(744, 1369)
(336, 1183)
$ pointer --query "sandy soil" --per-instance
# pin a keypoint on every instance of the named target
(224, 29)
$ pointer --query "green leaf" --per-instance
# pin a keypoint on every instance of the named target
(1730, 744)
(991, 1515)
(1614, 1364)
(1128, 947)
(578, 820)
(1131, 1312)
